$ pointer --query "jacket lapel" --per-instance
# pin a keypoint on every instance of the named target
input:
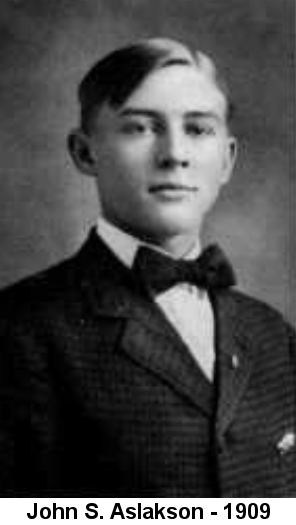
(234, 360)
(163, 354)
(147, 337)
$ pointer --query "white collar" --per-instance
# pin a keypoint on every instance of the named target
(125, 245)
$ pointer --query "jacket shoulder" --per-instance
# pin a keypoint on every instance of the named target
(39, 292)
(256, 308)
(261, 319)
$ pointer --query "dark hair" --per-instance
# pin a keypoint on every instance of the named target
(113, 79)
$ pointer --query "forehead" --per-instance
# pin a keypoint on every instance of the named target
(178, 88)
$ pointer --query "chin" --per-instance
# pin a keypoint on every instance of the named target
(166, 229)
(179, 222)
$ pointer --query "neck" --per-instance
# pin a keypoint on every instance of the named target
(177, 246)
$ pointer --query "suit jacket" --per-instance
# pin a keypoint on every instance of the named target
(99, 395)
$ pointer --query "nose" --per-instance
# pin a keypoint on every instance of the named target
(172, 151)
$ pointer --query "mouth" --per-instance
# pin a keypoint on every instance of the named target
(173, 190)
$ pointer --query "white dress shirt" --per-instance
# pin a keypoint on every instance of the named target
(186, 307)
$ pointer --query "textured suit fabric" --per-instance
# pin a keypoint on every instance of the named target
(99, 395)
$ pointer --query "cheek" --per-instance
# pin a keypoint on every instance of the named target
(129, 160)
(118, 181)
(210, 166)
(211, 178)
(213, 183)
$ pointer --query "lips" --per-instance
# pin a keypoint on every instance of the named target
(172, 187)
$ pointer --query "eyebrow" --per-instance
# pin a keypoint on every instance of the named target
(150, 113)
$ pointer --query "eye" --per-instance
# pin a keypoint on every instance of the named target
(196, 129)
(142, 127)
(134, 127)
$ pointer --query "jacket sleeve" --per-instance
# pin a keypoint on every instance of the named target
(24, 414)
(6, 414)
(292, 342)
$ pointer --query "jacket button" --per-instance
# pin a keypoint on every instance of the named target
(286, 443)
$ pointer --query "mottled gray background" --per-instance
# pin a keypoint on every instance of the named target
(46, 207)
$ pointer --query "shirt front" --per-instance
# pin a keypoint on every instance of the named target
(187, 307)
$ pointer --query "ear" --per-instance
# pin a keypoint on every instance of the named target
(230, 158)
(79, 146)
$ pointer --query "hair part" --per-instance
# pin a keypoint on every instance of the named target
(113, 79)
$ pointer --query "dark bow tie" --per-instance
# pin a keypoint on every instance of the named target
(159, 272)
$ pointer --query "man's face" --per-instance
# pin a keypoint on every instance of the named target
(162, 157)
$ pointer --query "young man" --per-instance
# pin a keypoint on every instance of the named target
(131, 369)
